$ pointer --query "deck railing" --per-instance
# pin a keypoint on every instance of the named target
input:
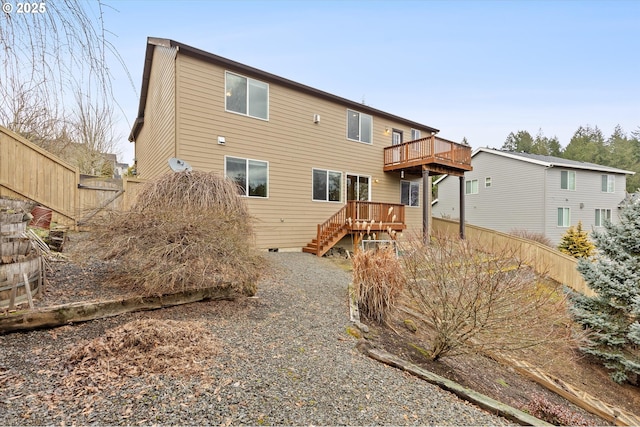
(427, 150)
(373, 211)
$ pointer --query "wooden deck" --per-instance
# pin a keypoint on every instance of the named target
(357, 217)
(432, 154)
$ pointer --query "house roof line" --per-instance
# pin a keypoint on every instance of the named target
(551, 161)
(546, 161)
(152, 42)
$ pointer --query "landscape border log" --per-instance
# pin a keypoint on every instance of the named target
(464, 393)
(49, 317)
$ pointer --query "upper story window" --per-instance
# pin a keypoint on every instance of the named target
(252, 176)
(471, 187)
(410, 193)
(487, 182)
(359, 126)
(246, 96)
(327, 185)
(608, 183)
(415, 134)
(568, 180)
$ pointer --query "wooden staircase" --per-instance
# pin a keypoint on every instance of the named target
(356, 217)
(329, 233)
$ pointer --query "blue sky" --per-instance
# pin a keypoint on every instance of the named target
(474, 69)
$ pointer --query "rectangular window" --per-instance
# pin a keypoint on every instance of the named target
(471, 187)
(564, 217)
(568, 180)
(415, 134)
(602, 215)
(246, 96)
(608, 183)
(410, 193)
(252, 176)
(359, 126)
(327, 185)
(487, 182)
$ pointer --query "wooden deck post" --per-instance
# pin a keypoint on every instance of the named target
(462, 231)
(426, 206)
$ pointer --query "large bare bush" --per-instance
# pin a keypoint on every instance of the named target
(474, 301)
(187, 230)
(378, 281)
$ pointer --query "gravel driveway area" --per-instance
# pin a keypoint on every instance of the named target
(286, 359)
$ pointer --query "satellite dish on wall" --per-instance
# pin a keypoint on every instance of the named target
(178, 165)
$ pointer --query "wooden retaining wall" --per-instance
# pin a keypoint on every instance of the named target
(558, 266)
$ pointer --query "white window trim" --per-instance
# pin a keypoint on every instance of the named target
(575, 180)
(342, 186)
(602, 217)
(247, 113)
(568, 218)
(611, 183)
(471, 192)
(414, 133)
(411, 183)
(358, 175)
(360, 114)
(247, 172)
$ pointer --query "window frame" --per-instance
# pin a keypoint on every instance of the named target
(487, 182)
(569, 174)
(468, 190)
(600, 219)
(248, 175)
(327, 171)
(412, 184)
(248, 81)
(360, 115)
(568, 217)
(415, 134)
(610, 185)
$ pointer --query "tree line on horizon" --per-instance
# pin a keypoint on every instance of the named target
(588, 144)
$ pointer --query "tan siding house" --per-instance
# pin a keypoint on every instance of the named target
(299, 153)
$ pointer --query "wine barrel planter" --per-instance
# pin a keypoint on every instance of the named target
(17, 256)
(12, 277)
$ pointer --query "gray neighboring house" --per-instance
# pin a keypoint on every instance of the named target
(509, 191)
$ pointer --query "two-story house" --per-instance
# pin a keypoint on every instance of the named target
(312, 166)
(508, 191)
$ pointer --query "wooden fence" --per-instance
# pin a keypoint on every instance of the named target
(30, 172)
(545, 260)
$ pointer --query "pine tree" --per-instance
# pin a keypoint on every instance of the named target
(613, 314)
(575, 242)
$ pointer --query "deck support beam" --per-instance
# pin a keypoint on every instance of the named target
(462, 219)
(426, 205)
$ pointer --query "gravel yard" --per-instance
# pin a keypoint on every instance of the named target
(285, 358)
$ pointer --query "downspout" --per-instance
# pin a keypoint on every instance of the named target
(175, 102)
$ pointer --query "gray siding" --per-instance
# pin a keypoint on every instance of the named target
(510, 203)
(527, 196)
(582, 202)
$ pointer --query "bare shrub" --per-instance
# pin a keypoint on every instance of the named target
(187, 230)
(475, 301)
(378, 281)
(532, 235)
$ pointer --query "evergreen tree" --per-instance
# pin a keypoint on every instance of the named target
(613, 314)
(575, 242)
(587, 145)
(522, 141)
